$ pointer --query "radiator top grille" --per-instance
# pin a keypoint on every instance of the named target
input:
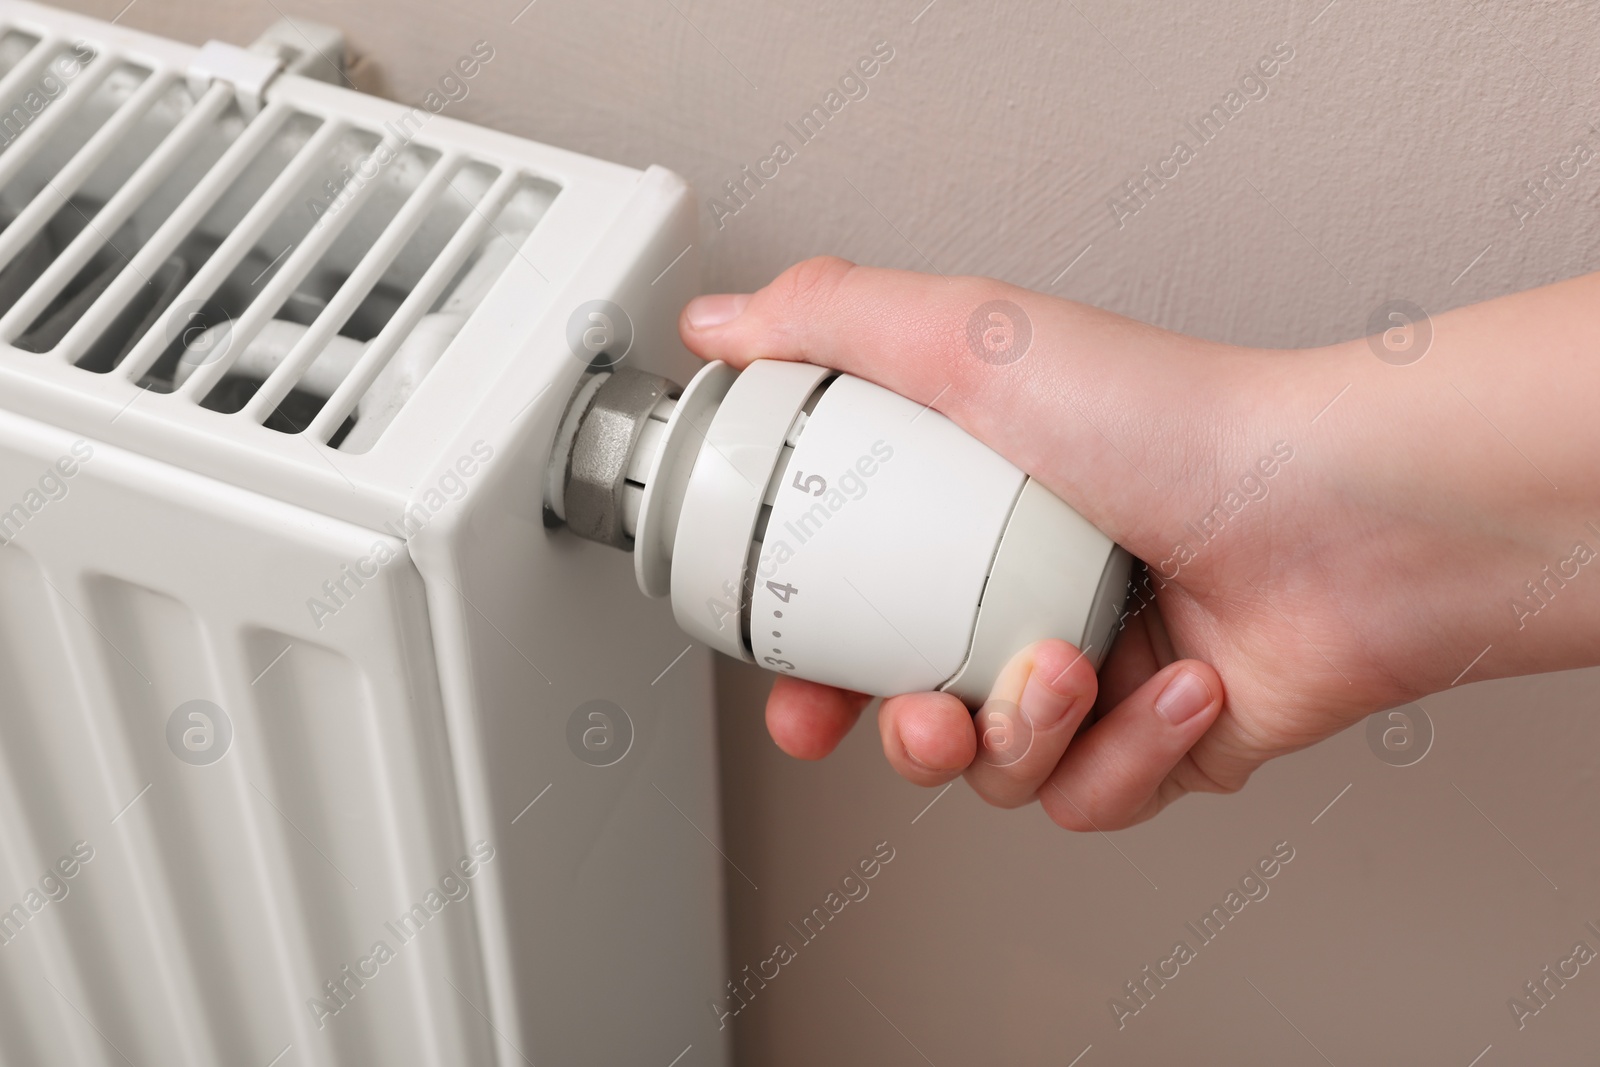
(288, 285)
(297, 270)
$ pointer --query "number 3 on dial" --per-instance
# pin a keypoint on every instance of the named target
(780, 664)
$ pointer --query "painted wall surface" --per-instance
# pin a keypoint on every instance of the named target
(1386, 159)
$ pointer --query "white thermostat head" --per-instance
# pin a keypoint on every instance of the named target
(825, 527)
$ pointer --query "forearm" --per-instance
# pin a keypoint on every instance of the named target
(1470, 486)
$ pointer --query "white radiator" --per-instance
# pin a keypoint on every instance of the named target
(316, 747)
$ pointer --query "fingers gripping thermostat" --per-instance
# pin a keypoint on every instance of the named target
(824, 527)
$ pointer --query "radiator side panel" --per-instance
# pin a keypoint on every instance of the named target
(613, 887)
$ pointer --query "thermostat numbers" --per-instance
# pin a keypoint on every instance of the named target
(784, 592)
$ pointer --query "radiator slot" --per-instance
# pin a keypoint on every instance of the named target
(155, 657)
(43, 82)
(95, 230)
(46, 777)
(318, 741)
(474, 226)
(261, 264)
(14, 48)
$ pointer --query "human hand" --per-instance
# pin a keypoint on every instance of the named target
(1297, 579)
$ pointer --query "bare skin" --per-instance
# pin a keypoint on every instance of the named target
(1385, 559)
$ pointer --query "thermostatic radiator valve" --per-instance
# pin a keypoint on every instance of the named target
(825, 527)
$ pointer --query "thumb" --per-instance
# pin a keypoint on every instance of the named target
(1101, 409)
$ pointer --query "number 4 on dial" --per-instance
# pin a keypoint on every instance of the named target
(782, 592)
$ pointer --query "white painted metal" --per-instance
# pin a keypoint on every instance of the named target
(428, 290)
(195, 125)
(394, 637)
(359, 284)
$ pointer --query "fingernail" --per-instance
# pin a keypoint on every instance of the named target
(1183, 698)
(924, 764)
(1042, 706)
(704, 312)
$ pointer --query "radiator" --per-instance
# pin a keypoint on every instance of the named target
(316, 746)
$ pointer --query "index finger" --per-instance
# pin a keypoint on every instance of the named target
(807, 720)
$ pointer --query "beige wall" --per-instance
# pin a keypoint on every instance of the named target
(1386, 154)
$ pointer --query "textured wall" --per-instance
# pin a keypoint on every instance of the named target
(1386, 159)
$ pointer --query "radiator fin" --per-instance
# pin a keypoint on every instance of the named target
(48, 785)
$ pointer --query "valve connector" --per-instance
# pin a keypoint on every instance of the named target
(606, 457)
